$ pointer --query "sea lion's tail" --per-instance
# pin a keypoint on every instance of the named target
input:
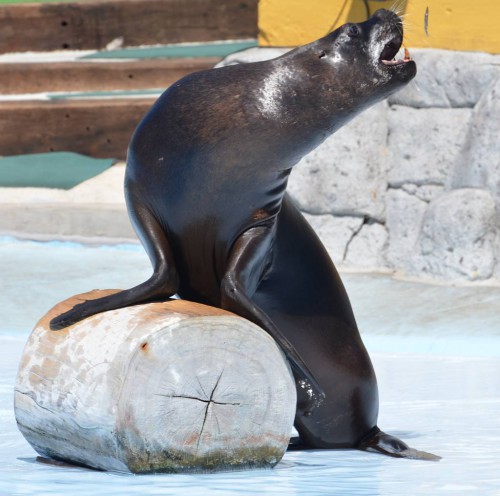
(378, 441)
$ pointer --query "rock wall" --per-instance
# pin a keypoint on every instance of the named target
(412, 184)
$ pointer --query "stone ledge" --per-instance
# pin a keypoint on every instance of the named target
(66, 220)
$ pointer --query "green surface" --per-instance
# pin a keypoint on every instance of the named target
(61, 170)
(217, 49)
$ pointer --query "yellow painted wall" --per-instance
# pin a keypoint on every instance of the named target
(453, 24)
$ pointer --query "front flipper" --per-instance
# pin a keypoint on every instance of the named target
(161, 285)
(386, 444)
(158, 286)
(246, 266)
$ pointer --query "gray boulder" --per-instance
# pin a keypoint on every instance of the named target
(478, 164)
(335, 233)
(347, 174)
(350, 241)
(425, 192)
(366, 249)
(405, 213)
(458, 235)
(496, 273)
(424, 144)
(448, 79)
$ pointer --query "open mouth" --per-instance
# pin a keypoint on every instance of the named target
(387, 57)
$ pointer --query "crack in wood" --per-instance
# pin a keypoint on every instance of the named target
(206, 409)
(208, 402)
(203, 390)
(202, 426)
(195, 398)
(43, 378)
(31, 396)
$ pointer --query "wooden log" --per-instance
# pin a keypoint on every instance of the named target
(161, 387)
(95, 23)
(18, 78)
(98, 128)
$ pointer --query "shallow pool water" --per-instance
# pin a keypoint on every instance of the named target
(436, 351)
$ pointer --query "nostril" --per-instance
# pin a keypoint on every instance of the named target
(322, 54)
(353, 31)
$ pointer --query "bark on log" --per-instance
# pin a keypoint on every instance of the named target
(161, 387)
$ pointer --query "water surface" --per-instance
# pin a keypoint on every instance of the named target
(436, 351)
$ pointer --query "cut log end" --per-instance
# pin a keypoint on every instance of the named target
(161, 387)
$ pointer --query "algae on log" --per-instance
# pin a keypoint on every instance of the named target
(159, 387)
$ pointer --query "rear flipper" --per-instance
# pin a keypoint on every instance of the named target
(386, 444)
(296, 444)
(161, 285)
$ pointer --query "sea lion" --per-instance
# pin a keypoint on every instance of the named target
(206, 175)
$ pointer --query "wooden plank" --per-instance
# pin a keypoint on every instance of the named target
(19, 78)
(98, 128)
(94, 24)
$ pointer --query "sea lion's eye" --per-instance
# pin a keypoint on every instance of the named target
(322, 54)
(353, 30)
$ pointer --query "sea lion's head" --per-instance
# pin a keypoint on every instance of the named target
(359, 59)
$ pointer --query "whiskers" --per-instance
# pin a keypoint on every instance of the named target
(415, 34)
(416, 31)
(398, 7)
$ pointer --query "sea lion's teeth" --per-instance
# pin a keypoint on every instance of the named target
(395, 62)
(407, 54)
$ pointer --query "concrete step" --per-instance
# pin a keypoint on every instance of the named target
(66, 220)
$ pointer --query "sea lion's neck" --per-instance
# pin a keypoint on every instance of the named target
(286, 97)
